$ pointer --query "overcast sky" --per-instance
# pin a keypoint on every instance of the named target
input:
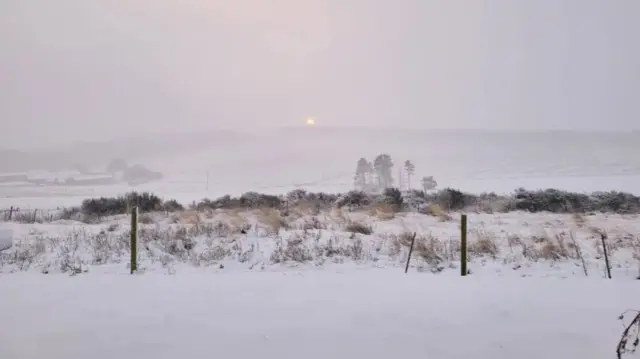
(79, 69)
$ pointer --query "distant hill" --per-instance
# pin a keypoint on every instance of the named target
(216, 148)
(139, 148)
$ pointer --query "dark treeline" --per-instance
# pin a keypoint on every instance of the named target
(549, 200)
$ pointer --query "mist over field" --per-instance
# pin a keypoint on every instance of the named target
(489, 90)
(325, 157)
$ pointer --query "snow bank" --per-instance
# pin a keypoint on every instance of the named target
(359, 314)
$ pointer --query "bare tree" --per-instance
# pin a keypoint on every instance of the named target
(363, 174)
(383, 164)
(410, 168)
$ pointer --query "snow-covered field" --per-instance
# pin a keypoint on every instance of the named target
(521, 244)
(355, 314)
(241, 284)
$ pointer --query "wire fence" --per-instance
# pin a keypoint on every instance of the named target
(589, 249)
(31, 215)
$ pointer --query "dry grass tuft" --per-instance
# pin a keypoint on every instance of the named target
(187, 218)
(547, 247)
(393, 242)
(563, 247)
(404, 239)
(337, 249)
(146, 218)
(484, 244)
(429, 248)
(359, 227)
(339, 216)
(436, 210)
(550, 251)
(312, 223)
(598, 232)
(426, 247)
(272, 219)
(305, 208)
(383, 211)
(291, 250)
(579, 220)
(237, 221)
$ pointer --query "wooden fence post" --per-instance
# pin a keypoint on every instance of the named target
(603, 236)
(10, 212)
(463, 245)
(134, 239)
(413, 240)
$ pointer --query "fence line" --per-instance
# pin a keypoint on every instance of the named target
(545, 242)
(474, 232)
(30, 215)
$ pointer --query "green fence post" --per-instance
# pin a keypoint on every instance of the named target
(463, 245)
(134, 239)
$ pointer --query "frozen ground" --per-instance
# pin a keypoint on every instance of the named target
(356, 314)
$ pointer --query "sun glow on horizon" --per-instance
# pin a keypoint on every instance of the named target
(310, 122)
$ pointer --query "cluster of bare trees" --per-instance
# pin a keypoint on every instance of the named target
(376, 176)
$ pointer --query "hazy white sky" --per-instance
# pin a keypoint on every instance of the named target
(78, 69)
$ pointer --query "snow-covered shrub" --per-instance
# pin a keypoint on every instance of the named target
(491, 202)
(260, 200)
(618, 202)
(72, 213)
(415, 200)
(249, 200)
(107, 206)
(320, 199)
(557, 201)
(354, 199)
(551, 200)
(291, 250)
(222, 202)
(451, 199)
(393, 197)
(548, 200)
(172, 206)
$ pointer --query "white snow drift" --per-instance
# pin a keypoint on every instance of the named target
(358, 314)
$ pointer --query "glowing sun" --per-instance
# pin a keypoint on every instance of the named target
(310, 122)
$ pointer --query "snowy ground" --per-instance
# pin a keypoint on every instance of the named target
(245, 284)
(359, 314)
(520, 244)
